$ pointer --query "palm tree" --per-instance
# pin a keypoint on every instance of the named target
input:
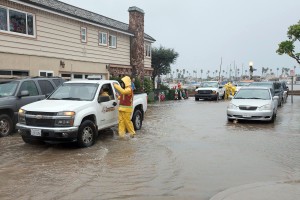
(201, 71)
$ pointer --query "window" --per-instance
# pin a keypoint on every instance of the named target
(31, 87)
(112, 41)
(83, 34)
(3, 19)
(46, 73)
(46, 86)
(78, 76)
(58, 82)
(148, 50)
(102, 38)
(106, 88)
(17, 22)
(14, 72)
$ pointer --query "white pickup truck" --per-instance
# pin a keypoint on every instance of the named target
(75, 112)
(210, 90)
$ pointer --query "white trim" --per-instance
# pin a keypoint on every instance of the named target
(81, 31)
(148, 40)
(8, 31)
(149, 50)
(62, 15)
(46, 71)
(103, 32)
(113, 36)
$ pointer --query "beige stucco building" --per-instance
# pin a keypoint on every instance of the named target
(51, 38)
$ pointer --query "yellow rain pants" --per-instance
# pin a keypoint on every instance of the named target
(125, 124)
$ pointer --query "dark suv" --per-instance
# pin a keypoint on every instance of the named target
(17, 93)
(276, 89)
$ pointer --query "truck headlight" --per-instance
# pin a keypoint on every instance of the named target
(21, 116)
(66, 118)
(232, 106)
(265, 107)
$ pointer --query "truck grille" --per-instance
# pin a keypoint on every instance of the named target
(204, 91)
(40, 122)
(38, 119)
(41, 113)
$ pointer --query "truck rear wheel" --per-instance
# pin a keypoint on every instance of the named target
(6, 125)
(137, 119)
(86, 134)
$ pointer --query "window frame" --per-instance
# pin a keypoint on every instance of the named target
(113, 36)
(81, 29)
(8, 31)
(101, 33)
(46, 71)
(148, 50)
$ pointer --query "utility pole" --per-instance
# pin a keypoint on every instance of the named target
(220, 70)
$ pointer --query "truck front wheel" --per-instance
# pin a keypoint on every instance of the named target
(86, 134)
(6, 125)
(137, 119)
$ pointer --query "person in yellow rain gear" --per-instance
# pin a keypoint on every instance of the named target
(104, 92)
(233, 89)
(125, 107)
(227, 87)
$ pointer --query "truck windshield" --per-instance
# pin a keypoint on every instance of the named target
(8, 89)
(209, 84)
(75, 91)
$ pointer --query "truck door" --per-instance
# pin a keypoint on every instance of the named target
(109, 108)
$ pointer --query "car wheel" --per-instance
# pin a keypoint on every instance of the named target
(6, 125)
(137, 120)
(197, 99)
(28, 140)
(230, 120)
(273, 117)
(217, 97)
(86, 134)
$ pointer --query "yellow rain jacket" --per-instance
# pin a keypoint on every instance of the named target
(126, 97)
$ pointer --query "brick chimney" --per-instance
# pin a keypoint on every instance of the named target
(136, 26)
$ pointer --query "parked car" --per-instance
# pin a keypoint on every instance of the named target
(210, 90)
(275, 87)
(253, 103)
(16, 93)
(285, 89)
(75, 112)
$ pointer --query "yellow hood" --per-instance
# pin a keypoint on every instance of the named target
(127, 81)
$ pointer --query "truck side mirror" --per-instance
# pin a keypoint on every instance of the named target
(24, 93)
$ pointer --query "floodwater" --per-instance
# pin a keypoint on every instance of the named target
(185, 150)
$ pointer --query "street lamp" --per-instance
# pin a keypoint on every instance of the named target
(251, 70)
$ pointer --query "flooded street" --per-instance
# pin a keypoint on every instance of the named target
(185, 150)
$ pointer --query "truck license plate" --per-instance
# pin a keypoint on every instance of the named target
(36, 132)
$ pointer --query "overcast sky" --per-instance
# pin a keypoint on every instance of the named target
(203, 31)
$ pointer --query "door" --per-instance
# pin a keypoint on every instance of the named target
(109, 108)
(33, 96)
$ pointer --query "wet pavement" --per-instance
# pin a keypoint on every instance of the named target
(185, 150)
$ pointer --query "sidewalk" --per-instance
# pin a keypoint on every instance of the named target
(281, 190)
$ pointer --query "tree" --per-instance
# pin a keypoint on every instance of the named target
(162, 58)
(288, 46)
